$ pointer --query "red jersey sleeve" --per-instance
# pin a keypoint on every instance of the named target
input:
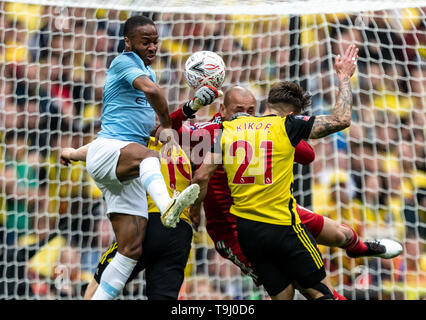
(304, 153)
(177, 118)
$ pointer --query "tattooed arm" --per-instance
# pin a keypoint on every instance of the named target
(341, 116)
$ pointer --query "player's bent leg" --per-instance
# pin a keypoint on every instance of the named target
(319, 291)
(329, 233)
(130, 159)
(343, 236)
(355, 248)
(333, 235)
(138, 161)
(286, 294)
(307, 295)
(129, 231)
(382, 248)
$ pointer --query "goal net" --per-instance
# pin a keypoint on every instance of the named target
(372, 176)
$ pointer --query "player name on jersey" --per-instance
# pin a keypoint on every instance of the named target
(253, 126)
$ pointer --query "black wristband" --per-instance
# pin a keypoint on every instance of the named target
(187, 110)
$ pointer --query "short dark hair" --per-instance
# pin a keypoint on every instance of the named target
(289, 93)
(133, 22)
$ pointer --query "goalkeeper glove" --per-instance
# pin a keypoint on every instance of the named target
(203, 97)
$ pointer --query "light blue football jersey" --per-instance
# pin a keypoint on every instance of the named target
(126, 113)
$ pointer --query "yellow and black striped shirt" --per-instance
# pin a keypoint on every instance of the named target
(258, 154)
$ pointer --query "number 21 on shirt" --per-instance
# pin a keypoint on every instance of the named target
(239, 177)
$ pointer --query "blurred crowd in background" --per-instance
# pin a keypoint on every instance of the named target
(371, 176)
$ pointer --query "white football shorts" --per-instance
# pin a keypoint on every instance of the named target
(127, 197)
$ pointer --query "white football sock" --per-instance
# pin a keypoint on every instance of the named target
(153, 182)
(114, 277)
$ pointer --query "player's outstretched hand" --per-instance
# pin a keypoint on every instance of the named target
(169, 141)
(345, 66)
(202, 97)
(66, 156)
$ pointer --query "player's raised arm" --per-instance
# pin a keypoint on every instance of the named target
(155, 98)
(161, 107)
(202, 97)
(341, 116)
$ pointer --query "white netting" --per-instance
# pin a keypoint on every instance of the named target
(53, 57)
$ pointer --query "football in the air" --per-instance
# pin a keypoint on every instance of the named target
(204, 68)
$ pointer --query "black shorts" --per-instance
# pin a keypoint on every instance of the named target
(164, 256)
(281, 254)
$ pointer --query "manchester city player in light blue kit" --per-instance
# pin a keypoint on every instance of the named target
(118, 160)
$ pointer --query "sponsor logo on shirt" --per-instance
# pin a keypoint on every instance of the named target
(140, 100)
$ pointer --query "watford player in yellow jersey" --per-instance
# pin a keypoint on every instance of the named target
(256, 160)
(165, 250)
(257, 154)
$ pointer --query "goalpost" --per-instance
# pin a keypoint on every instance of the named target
(372, 176)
